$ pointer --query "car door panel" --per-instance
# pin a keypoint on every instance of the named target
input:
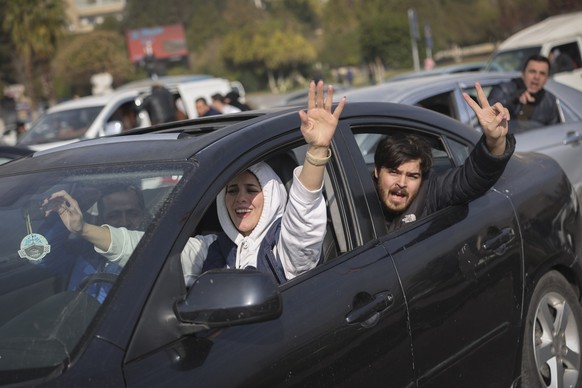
(562, 142)
(311, 344)
(344, 322)
(447, 264)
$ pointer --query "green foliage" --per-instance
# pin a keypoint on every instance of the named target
(34, 27)
(339, 45)
(201, 30)
(151, 13)
(89, 54)
(277, 51)
(282, 41)
(385, 36)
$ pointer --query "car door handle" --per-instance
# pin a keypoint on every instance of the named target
(368, 314)
(572, 137)
(499, 243)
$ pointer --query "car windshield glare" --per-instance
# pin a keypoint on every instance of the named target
(53, 282)
(62, 125)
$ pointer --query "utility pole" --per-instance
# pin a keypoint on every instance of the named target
(428, 61)
(414, 37)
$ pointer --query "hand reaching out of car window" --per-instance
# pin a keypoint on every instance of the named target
(68, 209)
(493, 119)
(318, 125)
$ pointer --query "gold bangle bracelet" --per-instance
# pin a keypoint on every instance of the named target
(314, 160)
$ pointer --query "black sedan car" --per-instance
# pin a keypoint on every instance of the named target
(484, 294)
(8, 153)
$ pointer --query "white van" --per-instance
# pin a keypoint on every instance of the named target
(189, 88)
(96, 116)
(561, 34)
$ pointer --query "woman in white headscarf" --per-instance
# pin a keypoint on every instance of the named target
(262, 228)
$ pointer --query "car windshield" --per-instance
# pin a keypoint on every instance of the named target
(61, 125)
(52, 282)
(511, 60)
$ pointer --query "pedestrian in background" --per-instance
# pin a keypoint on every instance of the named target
(160, 105)
(219, 103)
(233, 98)
(203, 109)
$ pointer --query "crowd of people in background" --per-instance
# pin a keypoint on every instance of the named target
(230, 103)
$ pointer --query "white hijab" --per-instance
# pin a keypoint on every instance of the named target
(275, 199)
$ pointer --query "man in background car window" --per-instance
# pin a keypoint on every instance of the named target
(525, 97)
(402, 167)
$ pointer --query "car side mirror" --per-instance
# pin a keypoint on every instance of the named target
(226, 297)
(113, 128)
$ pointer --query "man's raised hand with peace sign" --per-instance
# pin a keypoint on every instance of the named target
(494, 120)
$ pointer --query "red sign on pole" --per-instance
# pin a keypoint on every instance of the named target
(163, 42)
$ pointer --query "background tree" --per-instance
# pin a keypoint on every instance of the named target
(35, 27)
(89, 54)
(339, 42)
(238, 39)
(276, 52)
(384, 39)
(7, 74)
(150, 13)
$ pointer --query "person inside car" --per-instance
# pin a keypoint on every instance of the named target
(525, 97)
(402, 168)
(262, 229)
(120, 205)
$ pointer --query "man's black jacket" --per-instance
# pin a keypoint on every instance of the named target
(544, 109)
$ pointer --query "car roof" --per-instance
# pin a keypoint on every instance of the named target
(90, 101)
(179, 141)
(553, 28)
(402, 91)
(170, 82)
(447, 69)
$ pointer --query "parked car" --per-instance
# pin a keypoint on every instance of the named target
(557, 37)
(443, 94)
(8, 153)
(95, 116)
(486, 286)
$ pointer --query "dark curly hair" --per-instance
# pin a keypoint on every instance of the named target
(392, 151)
(536, 58)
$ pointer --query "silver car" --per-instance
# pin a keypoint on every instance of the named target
(444, 94)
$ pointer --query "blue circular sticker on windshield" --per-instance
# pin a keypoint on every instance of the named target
(34, 247)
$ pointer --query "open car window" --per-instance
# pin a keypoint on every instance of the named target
(447, 153)
(441, 103)
(284, 163)
(369, 138)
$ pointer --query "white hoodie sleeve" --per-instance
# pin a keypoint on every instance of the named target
(124, 242)
(302, 229)
(193, 256)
